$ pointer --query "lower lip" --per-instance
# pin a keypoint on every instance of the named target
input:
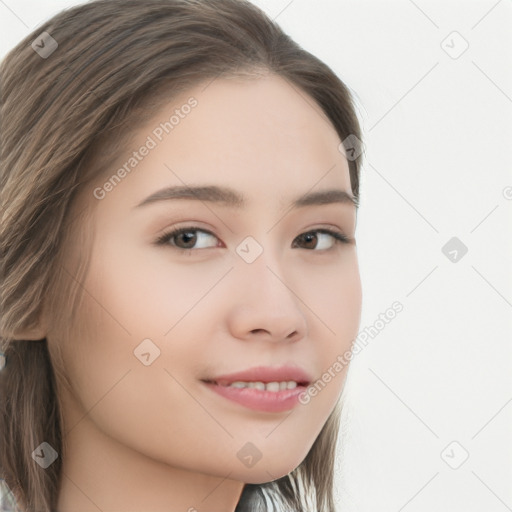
(258, 400)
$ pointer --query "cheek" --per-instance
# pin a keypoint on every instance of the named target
(148, 291)
(333, 296)
(335, 302)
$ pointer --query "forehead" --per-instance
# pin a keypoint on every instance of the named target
(262, 119)
(261, 136)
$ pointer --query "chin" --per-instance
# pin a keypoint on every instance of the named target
(267, 473)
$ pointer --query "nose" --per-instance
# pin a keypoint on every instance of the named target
(264, 305)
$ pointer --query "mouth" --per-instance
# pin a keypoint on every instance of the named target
(267, 389)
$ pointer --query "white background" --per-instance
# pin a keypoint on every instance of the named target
(437, 135)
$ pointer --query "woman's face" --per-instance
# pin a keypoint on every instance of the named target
(245, 286)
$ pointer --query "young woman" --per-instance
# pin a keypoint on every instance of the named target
(179, 270)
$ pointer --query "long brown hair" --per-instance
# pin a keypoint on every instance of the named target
(117, 61)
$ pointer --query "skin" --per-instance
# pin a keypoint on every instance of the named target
(152, 437)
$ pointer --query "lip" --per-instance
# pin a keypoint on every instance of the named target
(267, 401)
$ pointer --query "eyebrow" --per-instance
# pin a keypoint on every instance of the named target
(231, 198)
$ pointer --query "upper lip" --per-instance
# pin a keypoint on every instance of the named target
(265, 374)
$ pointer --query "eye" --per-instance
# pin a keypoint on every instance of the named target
(186, 238)
(312, 237)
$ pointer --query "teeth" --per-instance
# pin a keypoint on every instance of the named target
(238, 385)
(270, 386)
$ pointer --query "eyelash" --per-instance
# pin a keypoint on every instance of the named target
(166, 237)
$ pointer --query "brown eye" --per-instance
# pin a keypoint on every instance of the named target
(311, 239)
(186, 238)
(189, 239)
